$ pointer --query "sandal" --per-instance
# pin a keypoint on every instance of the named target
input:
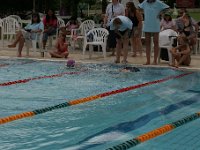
(134, 55)
(124, 61)
(117, 61)
(12, 46)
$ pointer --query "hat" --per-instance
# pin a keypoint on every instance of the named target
(167, 14)
(71, 63)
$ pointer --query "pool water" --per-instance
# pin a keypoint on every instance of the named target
(101, 123)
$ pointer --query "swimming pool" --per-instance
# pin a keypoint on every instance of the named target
(95, 106)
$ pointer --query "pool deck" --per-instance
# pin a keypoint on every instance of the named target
(97, 57)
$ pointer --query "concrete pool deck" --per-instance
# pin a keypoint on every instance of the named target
(97, 57)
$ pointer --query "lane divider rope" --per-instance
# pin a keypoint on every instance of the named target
(23, 63)
(154, 133)
(37, 78)
(3, 65)
(86, 99)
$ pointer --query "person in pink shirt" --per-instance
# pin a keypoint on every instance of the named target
(50, 26)
(167, 22)
(72, 24)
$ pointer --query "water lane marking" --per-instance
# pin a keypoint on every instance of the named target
(86, 99)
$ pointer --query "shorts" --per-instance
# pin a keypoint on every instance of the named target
(123, 33)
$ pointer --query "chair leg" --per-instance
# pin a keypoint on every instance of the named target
(73, 45)
(90, 51)
(50, 42)
(34, 44)
(104, 50)
(197, 46)
(27, 51)
(84, 49)
(169, 56)
(3, 41)
(159, 52)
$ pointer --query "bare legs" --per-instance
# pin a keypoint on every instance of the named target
(122, 43)
(148, 47)
(184, 59)
(156, 47)
(125, 49)
(118, 50)
(55, 54)
(136, 45)
(19, 39)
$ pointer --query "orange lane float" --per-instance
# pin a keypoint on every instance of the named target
(81, 100)
(155, 133)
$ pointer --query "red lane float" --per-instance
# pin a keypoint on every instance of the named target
(37, 78)
(89, 98)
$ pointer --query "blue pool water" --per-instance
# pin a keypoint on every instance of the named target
(104, 122)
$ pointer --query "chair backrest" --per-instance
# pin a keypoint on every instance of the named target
(79, 20)
(1, 27)
(86, 26)
(97, 35)
(10, 25)
(165, 37)
(60, 22)
(1, 23)
(17, 18)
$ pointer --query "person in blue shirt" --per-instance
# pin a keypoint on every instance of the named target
(152, 10)
(30, 32)
(122, 26)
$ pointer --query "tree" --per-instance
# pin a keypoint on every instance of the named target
(170, 2)
(104, 5)
(13, 6)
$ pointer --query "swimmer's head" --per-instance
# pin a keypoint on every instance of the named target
(71, 63)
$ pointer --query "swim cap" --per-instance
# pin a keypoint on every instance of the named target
(132, 69)
(71, 63)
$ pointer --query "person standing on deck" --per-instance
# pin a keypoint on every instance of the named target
(152, 10)
(113, 9)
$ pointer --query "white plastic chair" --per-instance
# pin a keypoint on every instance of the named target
(18, 19)
(10, 26)
(80, 33)
(36, 45)
(60, 23)
(197, 46)
(68, 24)
(96, 36)
(166, 39)
(1, 27)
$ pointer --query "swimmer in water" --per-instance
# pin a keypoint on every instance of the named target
(130, 69)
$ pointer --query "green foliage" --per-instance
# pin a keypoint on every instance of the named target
(104, 5)
(71, 6)
(90, 2)
(195, 15)
(25, 5)
(170, 2)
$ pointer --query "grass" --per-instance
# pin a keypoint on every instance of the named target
(195, 15)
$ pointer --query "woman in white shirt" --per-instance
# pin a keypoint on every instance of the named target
(28, 33)
(122, 27)
(113, 10)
